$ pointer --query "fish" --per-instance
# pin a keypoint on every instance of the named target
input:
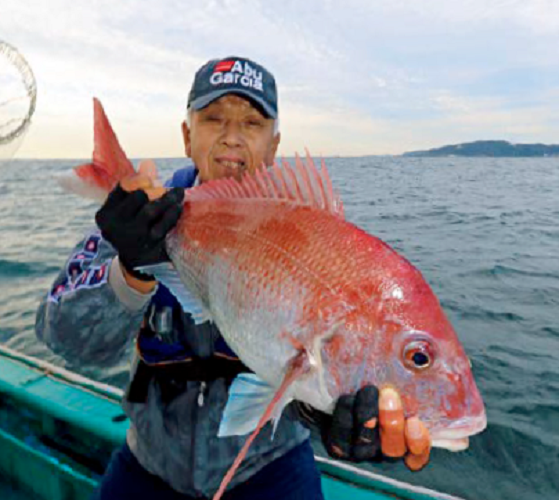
(315, 306)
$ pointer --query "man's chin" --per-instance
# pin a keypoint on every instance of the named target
(234, 173)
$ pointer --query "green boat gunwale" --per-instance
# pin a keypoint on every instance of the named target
(76, 423)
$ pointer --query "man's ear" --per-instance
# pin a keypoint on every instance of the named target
(273, 149)
(186, 139)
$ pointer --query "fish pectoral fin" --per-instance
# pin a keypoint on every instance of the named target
(167, 275)
(272, 408)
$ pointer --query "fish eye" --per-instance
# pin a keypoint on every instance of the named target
(418, 355)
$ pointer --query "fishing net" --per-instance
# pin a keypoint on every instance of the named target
(18, 97)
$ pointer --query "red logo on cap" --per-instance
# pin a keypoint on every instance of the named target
(223, 66)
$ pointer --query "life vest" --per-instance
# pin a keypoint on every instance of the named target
(164, 343)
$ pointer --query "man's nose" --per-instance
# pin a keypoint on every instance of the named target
(232, 134)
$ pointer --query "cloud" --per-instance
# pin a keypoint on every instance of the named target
(358, 78)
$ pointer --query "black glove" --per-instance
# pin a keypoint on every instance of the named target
(345, 435)
(137, 227)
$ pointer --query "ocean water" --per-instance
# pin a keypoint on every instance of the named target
(484, 233)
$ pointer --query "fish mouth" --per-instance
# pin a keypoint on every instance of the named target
(456, 436)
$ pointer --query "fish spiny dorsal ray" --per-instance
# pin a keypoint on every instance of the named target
(329, 195)
(302, 184)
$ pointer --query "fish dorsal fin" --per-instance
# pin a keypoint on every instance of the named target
(304, 184)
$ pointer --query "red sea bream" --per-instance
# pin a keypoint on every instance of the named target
(315, 306)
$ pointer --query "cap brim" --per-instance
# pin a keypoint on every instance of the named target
(207, 99)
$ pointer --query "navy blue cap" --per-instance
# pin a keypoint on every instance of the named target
(234, 75)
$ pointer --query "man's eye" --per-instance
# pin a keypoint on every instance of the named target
(213, 118)
(254, 123)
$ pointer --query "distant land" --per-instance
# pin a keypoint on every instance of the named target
(491, 148)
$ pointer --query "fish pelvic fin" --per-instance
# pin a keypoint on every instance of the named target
(249, 397)
(109, 164)
(260, 390)
(303, 184)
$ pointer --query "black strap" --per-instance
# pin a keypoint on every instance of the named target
(172, 378)
(137, 391)
(206, 369)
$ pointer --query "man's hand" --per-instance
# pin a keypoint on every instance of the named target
(135, 225)
(366, 426)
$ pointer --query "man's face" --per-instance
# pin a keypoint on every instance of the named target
(229, 137)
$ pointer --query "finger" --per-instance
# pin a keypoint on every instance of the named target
(166, 223)
(366, 439)
(172, 196)
(155, 210)
(417, 436)
(155, 193)
(367, 448)
(149, 168)
(136, 181)
(366, 406)
(177, 194)
(417, 462)
(132, 205)
(115, 197)
(391, 420)
(341, 429)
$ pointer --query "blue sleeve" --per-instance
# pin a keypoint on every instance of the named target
(184, 177)
(81, 318)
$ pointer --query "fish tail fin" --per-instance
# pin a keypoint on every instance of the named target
(297, 367)
(109, 164)
(303, 184)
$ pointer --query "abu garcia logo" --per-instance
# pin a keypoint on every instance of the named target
(227, 72)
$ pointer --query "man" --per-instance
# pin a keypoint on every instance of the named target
(181, 372)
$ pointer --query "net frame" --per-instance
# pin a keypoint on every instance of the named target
(28, 79)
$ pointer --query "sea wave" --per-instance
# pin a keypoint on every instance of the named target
(482, 231)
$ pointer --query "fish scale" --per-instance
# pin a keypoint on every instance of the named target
(303, 254)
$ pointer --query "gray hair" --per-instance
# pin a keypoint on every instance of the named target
(188, 120)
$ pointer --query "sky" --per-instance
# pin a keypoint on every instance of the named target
(355, 77)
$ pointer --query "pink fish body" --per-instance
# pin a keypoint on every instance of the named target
(278, 277)
(315, 306)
